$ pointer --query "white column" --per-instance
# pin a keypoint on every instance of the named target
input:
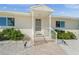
(50, 26)
(33, 27)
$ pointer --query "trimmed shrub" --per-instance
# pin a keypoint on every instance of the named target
(11, 34)
(65, 35)
(3, 37)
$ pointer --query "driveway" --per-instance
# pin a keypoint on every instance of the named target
(72, 47)
(17, 48)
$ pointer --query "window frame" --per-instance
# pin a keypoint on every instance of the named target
(60, 24)
(6, 19)
(10, 19)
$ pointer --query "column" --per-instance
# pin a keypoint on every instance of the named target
(33, 27)
(50, 26)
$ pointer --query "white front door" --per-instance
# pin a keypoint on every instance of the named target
(37, 24)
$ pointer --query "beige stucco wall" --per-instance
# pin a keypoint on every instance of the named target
(22, 22)
(69, 23)
(25, 24)
(45, 26)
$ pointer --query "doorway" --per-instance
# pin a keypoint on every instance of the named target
(37, 24)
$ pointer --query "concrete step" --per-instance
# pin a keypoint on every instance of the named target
(39, 39)
(39, 42)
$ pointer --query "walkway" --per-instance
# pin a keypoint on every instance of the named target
(72, 48)
(17, 48)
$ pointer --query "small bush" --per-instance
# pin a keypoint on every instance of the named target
(11, 34)
(2, 37)
(65, 35)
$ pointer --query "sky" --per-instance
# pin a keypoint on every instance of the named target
(59, 9)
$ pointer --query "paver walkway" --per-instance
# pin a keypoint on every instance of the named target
(72, 48)
(17, 48)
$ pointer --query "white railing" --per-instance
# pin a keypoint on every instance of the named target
(53, 34)
(45, 33)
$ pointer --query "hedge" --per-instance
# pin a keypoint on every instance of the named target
(65, 35)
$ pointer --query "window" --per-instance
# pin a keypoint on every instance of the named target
(11, 22)
(57, 24)
(5, 21)
(2, 21)
(60, 24)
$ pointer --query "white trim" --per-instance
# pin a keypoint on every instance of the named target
(37, 7)
(33, 27)
(6, 21)
(50, 26)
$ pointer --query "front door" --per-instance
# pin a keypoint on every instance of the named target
(38, 25)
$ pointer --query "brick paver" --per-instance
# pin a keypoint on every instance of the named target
(17, 48)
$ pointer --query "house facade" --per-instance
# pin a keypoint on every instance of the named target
(38, 21)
